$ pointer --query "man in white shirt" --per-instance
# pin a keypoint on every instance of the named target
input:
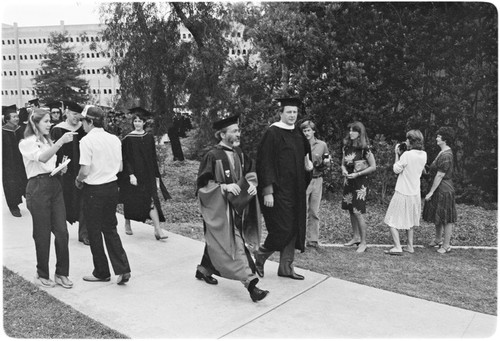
(100, 161)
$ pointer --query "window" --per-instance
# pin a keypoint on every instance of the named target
(77, 39)
(10, 58)
(91, 38)
(105, 92)
(184, 36)
(36, 57)
(10, 73)
(32, 73)
(93, 71)
(44, 40)
(93, 91)
(232, 51)
(5, 73)
(3, 43)
(31, 42)
(71, 39)
(88, 55)
(93, 55)
(13, 57)
(117, 91)
(109, 91)
(39, 41)
(31, 56)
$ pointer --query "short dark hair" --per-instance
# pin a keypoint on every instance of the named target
(308, 124)
(97, 122)
(447, 135)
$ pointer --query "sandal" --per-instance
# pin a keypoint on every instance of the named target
(393, 252)
(407, 249)
(443, 250)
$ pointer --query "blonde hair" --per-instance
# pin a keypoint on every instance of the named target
(32, 127)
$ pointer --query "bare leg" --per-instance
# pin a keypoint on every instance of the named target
(355, 231)
(448, 228)
(395, 238)
(362, 232)
(409, 235)
(128, 228)
(156, 222)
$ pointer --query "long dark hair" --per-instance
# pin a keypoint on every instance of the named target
(362, 140)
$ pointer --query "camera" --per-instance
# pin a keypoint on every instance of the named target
(402, 147)
(326, 156)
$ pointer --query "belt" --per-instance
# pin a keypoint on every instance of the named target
(39, 176)
(317, 176)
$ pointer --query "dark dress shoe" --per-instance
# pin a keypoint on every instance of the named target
(209, 279)
(92, 278)
(123, 278)
(293, 276)
(258, 295)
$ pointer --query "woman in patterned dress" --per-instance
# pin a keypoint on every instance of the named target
(356, 150)
(405, 207)
(439, 205)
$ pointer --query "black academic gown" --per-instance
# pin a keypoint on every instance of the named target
(280, 163)
(13, 172)
(72, 195)
(139, 158)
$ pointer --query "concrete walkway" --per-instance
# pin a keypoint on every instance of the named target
(164, 300)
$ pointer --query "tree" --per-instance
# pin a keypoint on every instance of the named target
(60, 76)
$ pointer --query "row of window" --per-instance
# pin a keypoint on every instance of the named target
(42, 72)
(238, 52)
(47, 40)
(45, 56)
(35, 93)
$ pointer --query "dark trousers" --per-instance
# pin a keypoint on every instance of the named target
(99, 209)
(44, 199)
(287, 256)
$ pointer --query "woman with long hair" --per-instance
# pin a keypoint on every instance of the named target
(439, 207)
(357, 162)
(405, 206)
(44, 197)
(141, 178)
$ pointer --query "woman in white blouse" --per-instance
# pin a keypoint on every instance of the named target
(44, 198)
(405, 206)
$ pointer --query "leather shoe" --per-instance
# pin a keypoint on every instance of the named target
(92, 278)
(123, 278)
(209, 279)
(257, 294)
(293, 276)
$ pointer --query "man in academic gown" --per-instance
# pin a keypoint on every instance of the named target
(13, 173)
(226, 187)
(283, 170)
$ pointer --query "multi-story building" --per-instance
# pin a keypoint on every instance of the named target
(23, 48)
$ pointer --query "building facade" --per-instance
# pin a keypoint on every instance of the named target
(23, 48)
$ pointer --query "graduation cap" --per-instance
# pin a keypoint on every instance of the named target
(34, 102)
(221, 124)
(141, 112)
(73, 106)
(9, 109)
(289, 101)
(53, 105)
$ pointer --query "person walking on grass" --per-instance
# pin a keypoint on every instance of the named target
(405, 206)
(357, 162)
(100, 162)
(439, 207)
(226, 188)
(44, 197)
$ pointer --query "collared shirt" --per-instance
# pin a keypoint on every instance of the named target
(103, 153)
(31, 148)
(318, 148)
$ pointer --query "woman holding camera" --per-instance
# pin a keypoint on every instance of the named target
(357, 162)
(439, 205)
(405, 206)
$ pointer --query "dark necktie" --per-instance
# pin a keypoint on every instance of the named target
(237, 165)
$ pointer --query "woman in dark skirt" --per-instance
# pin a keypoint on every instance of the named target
(439, 205)
(141, 178)
(356, 152)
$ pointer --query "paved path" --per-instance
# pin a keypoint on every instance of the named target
(164, 300)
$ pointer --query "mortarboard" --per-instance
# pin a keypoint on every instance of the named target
(290, 101)
(141, 112)
(56, 104)
(23, 115)
(218, 125)
(73, 106)
(9, 109)
(35, 102)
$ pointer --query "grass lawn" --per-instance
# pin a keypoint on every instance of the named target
(464, 278)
